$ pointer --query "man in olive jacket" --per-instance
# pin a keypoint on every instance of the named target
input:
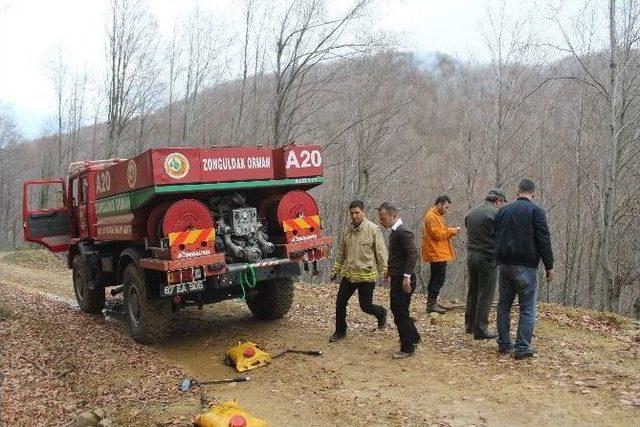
(481, 263)
(362, 257)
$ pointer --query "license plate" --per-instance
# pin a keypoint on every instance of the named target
(182, 288)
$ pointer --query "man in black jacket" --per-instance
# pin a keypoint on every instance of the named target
(522, 239)
(403, 255)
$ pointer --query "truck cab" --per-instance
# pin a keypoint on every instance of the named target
(58, 211)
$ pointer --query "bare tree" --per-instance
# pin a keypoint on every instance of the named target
(618, 88)
(514, 89)
(201, 55)
(9, 137)
(9, 133)
(131, 55)
(173, 56)
(255, 17)
(58, 74)
(249, 18)
(76, 111)
(307, 37)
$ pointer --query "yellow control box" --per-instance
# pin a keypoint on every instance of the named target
(247, 356)
(228, 414)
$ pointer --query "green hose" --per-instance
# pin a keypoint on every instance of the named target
(246, 282)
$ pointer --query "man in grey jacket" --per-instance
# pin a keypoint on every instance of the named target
(481, 263)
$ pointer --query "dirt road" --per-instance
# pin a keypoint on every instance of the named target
(587, 372)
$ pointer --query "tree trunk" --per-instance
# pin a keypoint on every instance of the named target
(609, 189)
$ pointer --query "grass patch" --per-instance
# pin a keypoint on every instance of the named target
(37, 259)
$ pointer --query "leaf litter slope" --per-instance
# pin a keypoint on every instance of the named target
(588, 371)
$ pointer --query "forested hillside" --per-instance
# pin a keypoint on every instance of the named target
(393, 126)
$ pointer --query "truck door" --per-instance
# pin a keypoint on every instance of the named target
(45, 218)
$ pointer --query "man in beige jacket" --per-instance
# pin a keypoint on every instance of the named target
(361, 259)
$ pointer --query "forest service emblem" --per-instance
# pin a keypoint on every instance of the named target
(132, 173)
(176, 165)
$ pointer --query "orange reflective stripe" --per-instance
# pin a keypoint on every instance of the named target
(301, 223)
(193, 236)
(206, 235)
(313, 221)
(177, 238)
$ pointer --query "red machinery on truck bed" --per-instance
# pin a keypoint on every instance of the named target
(180, 226)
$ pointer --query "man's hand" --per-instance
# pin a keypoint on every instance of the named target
(550, 275)
(406, 284)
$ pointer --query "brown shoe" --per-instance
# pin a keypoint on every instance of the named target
(444, 307)
(433, 307)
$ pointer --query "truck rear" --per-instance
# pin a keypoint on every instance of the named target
(180, 226)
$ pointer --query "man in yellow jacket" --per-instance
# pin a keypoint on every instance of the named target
(437, 249)
(362, 258)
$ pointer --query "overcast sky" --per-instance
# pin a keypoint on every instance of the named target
(30, 30)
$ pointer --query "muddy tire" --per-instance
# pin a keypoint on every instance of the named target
(148, 319)
(89, 300)
(273, 299)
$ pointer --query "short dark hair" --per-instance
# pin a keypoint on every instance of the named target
(389, 208)
(526, 186)
(356, 204)
(493, 198)
(442, 199)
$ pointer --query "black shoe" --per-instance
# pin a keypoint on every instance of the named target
(468, 331)
(402, 355)
(382, 321)
(504, 350)
(525, 355)
(484, 335)
(337, 337)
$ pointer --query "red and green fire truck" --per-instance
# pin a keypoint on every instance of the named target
(181, 226)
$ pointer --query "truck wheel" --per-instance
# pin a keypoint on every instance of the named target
(89, 300)
(148, 319)
(273, 299)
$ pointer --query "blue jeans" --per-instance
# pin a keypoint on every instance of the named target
(523, 282)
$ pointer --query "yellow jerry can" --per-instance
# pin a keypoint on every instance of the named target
(228, 414)
(246, 356)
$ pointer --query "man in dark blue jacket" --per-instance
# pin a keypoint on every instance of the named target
(522, 239)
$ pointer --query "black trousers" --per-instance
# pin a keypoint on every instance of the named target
(400, 302)
(436, 280)
(365, 297)
(483, 276)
